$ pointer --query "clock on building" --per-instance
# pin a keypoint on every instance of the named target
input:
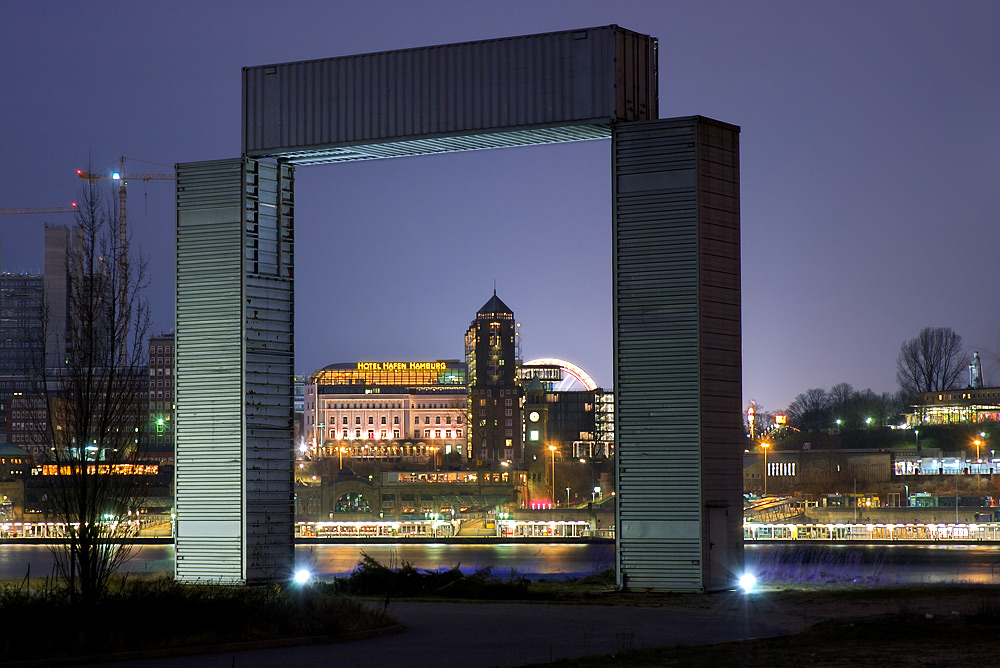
(533, 416)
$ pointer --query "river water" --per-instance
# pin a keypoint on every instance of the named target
(773, 563)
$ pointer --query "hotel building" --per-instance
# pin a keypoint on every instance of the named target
(392, 411)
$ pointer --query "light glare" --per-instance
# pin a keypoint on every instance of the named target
(302, 576)
(747, 582)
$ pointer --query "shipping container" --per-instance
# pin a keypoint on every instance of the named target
(560, 86)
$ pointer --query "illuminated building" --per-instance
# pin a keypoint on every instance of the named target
(14, 464)
(393, 411)
(579, 422)
(161, 396)
(494, 394)
(955, 406)
(23, 350)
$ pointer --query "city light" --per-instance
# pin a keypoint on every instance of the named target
(302, 576)
(747, 582)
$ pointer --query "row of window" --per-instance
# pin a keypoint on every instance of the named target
(394, 405)
(395, 419)
(384, 433)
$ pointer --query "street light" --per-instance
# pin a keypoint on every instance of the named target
(978, 443)
(552, 449)
(765, 446)
(593, 476)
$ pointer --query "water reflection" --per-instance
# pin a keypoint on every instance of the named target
(785, 563)
(875, 564)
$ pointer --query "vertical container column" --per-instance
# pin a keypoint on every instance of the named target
(677, 354)
(234, 383)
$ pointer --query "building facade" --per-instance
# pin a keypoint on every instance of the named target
(391, 411)
(161, 397)
(26, 344)
(981, 404)
(494, 393)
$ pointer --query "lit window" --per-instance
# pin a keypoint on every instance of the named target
(533, 435)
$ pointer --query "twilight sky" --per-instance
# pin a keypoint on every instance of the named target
(870, 159)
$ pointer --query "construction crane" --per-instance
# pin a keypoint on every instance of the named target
(45, 209)
(123, 177)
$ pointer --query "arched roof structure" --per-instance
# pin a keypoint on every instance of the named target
(567, 367)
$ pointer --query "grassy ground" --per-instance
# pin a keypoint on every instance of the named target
(154, 614)
(839, 624)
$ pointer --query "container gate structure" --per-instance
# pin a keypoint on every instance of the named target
(676, 285)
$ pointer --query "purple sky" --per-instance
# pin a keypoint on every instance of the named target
(870, 172)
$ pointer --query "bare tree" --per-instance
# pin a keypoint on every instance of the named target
(810, 410)
(89, 423)
(931, 362)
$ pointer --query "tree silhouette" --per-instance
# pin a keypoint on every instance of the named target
(931, 362)
(89, 422)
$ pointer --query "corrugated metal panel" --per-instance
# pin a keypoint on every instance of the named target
(721, 347)
(234, 371)
(269, 371)
(209, 372)
(445, 98)
(660, 356)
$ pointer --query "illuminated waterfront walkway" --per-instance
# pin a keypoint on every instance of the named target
(984, 532)
(571, 531)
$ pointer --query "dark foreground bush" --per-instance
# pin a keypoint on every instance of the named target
(151, 614)
(372, 578)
